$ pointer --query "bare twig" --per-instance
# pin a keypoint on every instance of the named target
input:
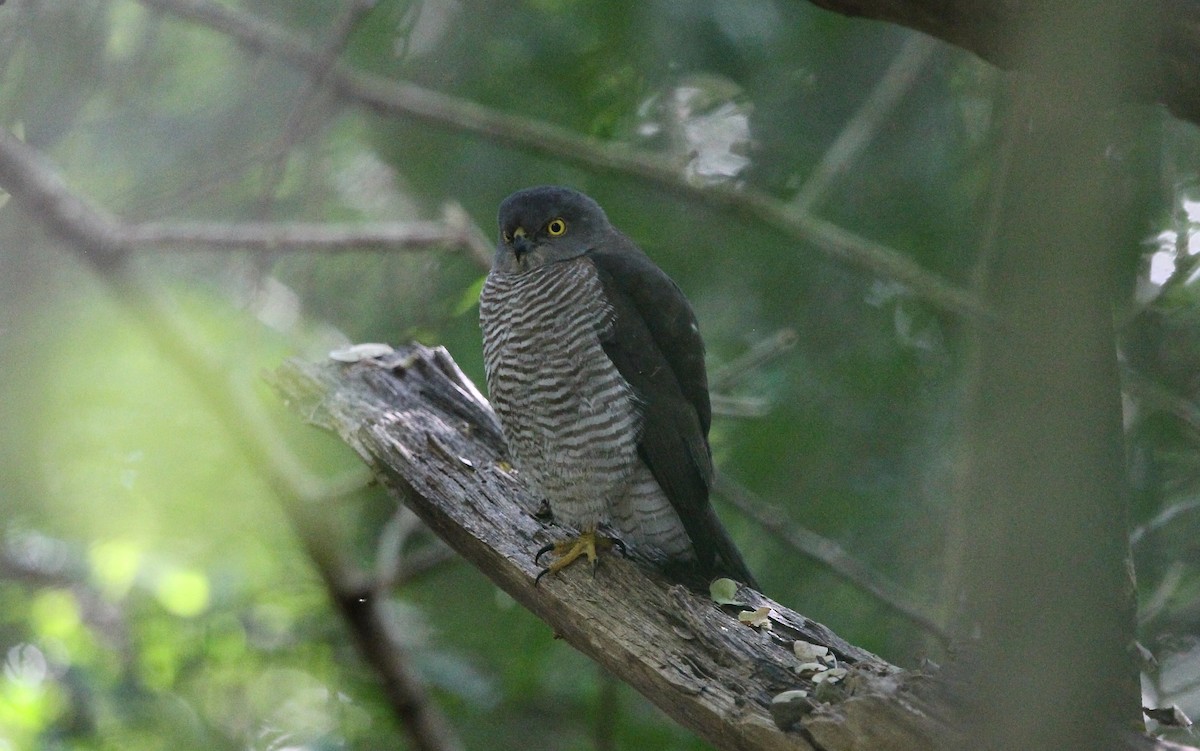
(1154, 396)
(480, 247)
(858, 132)
(104, 239)
(408, 100)
(395, 565)
(830, 555)
(364, 608)
(1150, 607)
(1162, 519)
(294, 129)
(762, 352)
(294, 236)
(423, 560)
(726, 405)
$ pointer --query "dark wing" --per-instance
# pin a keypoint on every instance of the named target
(655, 343)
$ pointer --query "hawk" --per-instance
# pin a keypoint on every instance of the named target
(595, 367)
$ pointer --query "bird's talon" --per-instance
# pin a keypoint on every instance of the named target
(541, 552)
(586, 545)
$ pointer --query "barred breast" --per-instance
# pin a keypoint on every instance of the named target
(570, 419)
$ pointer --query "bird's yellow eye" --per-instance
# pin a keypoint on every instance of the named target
(506, 237)
(556, 228)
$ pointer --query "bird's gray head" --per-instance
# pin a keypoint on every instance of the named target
(547, 224)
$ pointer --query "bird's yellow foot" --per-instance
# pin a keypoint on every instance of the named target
(569, 550)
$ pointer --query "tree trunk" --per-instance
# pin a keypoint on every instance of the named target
(1048, 595)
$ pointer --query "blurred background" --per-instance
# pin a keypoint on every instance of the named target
(154, 591)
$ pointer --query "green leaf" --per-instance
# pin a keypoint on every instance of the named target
(470, 297)
(724, 592)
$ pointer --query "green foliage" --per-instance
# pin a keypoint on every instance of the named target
(152, 594)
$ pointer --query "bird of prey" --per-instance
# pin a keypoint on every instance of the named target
(595, 367)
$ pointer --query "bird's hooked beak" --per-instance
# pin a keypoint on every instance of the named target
(521, 244)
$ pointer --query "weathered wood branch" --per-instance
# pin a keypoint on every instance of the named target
(433, 441)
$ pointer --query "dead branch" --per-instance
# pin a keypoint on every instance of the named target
(433, 441)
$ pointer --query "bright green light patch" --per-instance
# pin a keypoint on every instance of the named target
(183, 593)
(114, 566)
(55, 614)
(26, 710)
(133, 455)
(158, 665)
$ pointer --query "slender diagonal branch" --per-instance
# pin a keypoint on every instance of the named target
(831, 555)
(862, 127)
(293, 236)
(764, 351)
(294, 129)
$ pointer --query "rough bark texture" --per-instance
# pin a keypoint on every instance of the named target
(434, 442)
(1171, 29)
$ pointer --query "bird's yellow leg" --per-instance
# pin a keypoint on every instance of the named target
(588, 543)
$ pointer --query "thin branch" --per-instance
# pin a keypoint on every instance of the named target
(443, 111)
(1162, 519)
(760, 353)
(245, 420)
(830, 555)
(372, 626)
(478, 244)
(104, 240)
(1149, 607)
(395, 565)
(424, 560)
(292, 236)
(739, 407)
(1154, 396)
(295, 126)
(40, 191)
(866, 122)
